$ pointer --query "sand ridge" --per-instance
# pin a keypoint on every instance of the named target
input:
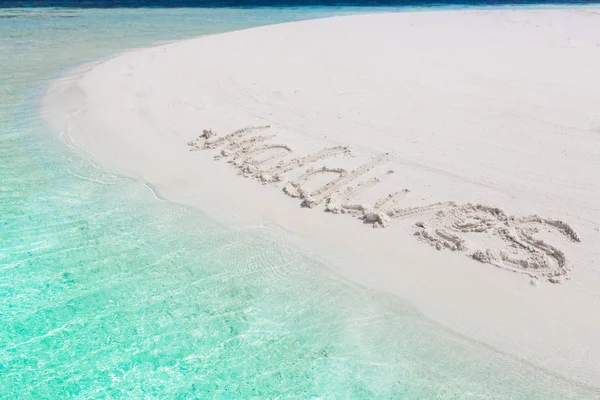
(517, 249)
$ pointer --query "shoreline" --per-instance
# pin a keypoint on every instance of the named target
(144, 135)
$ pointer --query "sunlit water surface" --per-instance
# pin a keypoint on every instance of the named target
(108, 292)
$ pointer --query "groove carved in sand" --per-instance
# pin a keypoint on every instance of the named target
(452, 228)
(462, 228)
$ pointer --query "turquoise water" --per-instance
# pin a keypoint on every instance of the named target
(107, 292)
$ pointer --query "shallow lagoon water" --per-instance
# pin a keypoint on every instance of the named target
(108, 292)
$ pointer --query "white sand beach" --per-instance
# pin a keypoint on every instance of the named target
(470, 139)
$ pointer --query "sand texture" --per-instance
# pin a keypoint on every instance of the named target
(470, 139)
(449, 226)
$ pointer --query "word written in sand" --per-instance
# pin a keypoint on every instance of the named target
(468, 228)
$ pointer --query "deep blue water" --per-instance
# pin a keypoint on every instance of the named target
(278, 3)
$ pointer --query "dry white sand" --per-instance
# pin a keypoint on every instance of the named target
(473, 137)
